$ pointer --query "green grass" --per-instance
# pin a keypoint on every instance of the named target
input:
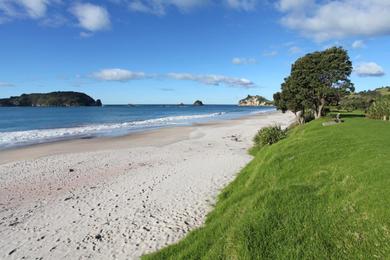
(321, 193)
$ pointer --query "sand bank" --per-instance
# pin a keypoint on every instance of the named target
(118, 198)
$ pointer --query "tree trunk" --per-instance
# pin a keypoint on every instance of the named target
(318, 112)
(300, 117)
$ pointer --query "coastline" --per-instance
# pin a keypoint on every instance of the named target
(133, 139)
(38, 126)
(119, 197)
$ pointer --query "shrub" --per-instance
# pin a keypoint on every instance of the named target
(269, 135)
(380, 109)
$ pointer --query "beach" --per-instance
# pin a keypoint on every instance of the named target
(119, 197)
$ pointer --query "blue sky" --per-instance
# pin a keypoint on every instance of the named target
(172, 51)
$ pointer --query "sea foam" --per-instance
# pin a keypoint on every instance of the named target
(18, 138)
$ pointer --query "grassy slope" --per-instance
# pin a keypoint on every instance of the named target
(324, 192)
(383, 91)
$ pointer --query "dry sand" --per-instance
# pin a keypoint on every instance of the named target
(118, 198)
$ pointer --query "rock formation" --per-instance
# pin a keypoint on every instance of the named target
(198, 103)
(255, 101)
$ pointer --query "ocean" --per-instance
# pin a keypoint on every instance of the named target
(21, 126)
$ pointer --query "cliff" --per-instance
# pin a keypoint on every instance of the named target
(60, 99)
(255, 101)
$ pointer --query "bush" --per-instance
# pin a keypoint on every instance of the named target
(269, 135)
(380, 109)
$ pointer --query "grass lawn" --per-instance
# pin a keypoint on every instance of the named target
(322, 193)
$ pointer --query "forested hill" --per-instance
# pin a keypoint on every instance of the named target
(364, 99)
(63, 99)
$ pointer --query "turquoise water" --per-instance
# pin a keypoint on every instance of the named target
(29, 125)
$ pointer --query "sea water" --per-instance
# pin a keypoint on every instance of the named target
(30, 125)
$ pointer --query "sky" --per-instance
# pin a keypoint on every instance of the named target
(173, 51)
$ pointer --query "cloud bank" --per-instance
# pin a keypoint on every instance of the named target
(118, 75)
(123, 75)
(159, 7)
(214, 80)
(90, 17)
(317, 19)
(325, 20)
(34, 9)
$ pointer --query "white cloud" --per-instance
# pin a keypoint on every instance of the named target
(86, 34)
(241, 61)
(35, 8)
(6, 84)
(291, 5)
(91, 17)
(118, 75)
(185, 5)
(123, 75)
(158, 7)
(245, 5)
(358, 44)
(369, 69)
(7, 9)
(139, 6)
(270, 53)
(325, 20)
(214, 80)
(294, 50)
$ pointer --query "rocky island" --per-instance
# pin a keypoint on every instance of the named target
(198, 103)
(255, 101)
(53, 99)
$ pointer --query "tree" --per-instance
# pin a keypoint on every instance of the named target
(291, 98)
(316, 80)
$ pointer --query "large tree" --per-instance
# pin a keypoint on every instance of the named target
(292, 98)
(316, 80)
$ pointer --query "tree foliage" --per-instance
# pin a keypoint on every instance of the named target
(316, 80)
(269, 135)
(363, 100)
(380, 109)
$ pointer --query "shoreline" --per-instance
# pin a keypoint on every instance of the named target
(119, 197)
(34, 151)
(58, 133)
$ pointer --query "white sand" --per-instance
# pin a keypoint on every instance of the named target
(122, 197)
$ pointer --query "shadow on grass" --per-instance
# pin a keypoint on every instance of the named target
(352, 115)
(346, 114)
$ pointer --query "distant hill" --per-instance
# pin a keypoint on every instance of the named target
(255, 101)
(384, 91)
(363, 99)
(55, 99)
